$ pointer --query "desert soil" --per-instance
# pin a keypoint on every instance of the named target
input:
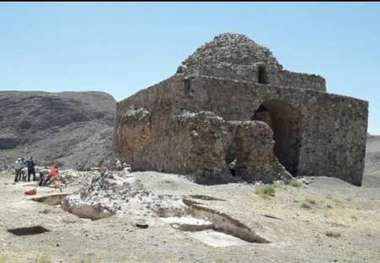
(323, 220)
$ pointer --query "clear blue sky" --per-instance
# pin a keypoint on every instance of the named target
(123, 47)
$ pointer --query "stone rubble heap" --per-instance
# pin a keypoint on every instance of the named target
(117, 193)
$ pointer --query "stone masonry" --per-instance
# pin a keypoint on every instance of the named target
(231, 112)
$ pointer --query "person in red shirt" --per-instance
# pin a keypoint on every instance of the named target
(53, 170)
(53, 176)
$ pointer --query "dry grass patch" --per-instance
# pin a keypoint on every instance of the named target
(333, 234)
(266, 191)
(308, 203)
(294, 182)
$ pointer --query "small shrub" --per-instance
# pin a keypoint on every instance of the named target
(43, 259)
(266, 191)
(308, 203)
(295, 183)
(311, 201)
(333, 234)
(305, 206)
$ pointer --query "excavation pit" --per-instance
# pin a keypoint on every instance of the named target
(26, 231)
(210, 226)
(205, 197)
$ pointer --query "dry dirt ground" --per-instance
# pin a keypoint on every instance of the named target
(326, 220)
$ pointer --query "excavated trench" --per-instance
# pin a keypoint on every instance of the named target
(198, 218)
(205, 224)
(85, 211)
(25, 231)
(206, 197)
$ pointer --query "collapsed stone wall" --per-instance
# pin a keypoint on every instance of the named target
(331, 137)
(200, 144)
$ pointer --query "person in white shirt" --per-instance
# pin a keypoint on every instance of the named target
(18, 167)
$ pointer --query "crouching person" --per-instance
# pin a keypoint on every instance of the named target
(43, 178)
(52, 177)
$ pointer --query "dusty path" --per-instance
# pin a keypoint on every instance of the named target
(297, 221)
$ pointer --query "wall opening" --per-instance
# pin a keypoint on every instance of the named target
(285, 121)
(187, 85)
(231, 159)
(262, 75)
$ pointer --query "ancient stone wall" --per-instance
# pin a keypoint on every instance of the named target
(235, 56)
(159, 134)
(323, 134)
(333, 128)
(214, 107)
(299, 80)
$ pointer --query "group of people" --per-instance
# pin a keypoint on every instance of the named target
(29, 166)
(19, 169)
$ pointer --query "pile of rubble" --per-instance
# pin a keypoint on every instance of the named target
(117, 193)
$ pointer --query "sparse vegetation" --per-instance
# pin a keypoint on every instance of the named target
(308, 203)
(305, 206)
(3, 259)
(294, 183)
(43, 259)
(333, 234)
(265, 191)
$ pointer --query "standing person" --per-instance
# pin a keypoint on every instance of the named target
(18, 167)
(23, 170)
(31, 168)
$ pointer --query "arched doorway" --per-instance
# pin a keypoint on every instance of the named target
(285, 122)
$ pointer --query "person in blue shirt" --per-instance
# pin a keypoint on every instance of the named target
(31, 168)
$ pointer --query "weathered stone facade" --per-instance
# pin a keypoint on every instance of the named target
(232, 112)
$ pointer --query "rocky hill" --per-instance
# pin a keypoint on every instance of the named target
(73, 128)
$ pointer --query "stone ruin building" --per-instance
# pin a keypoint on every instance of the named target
(232, 112)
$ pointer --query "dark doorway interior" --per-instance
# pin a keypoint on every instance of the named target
(285, 122)
(262, 75)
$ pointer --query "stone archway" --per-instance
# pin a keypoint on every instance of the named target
(285, 122)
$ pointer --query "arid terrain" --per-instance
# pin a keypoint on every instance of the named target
(170, 219)
(72, 128)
